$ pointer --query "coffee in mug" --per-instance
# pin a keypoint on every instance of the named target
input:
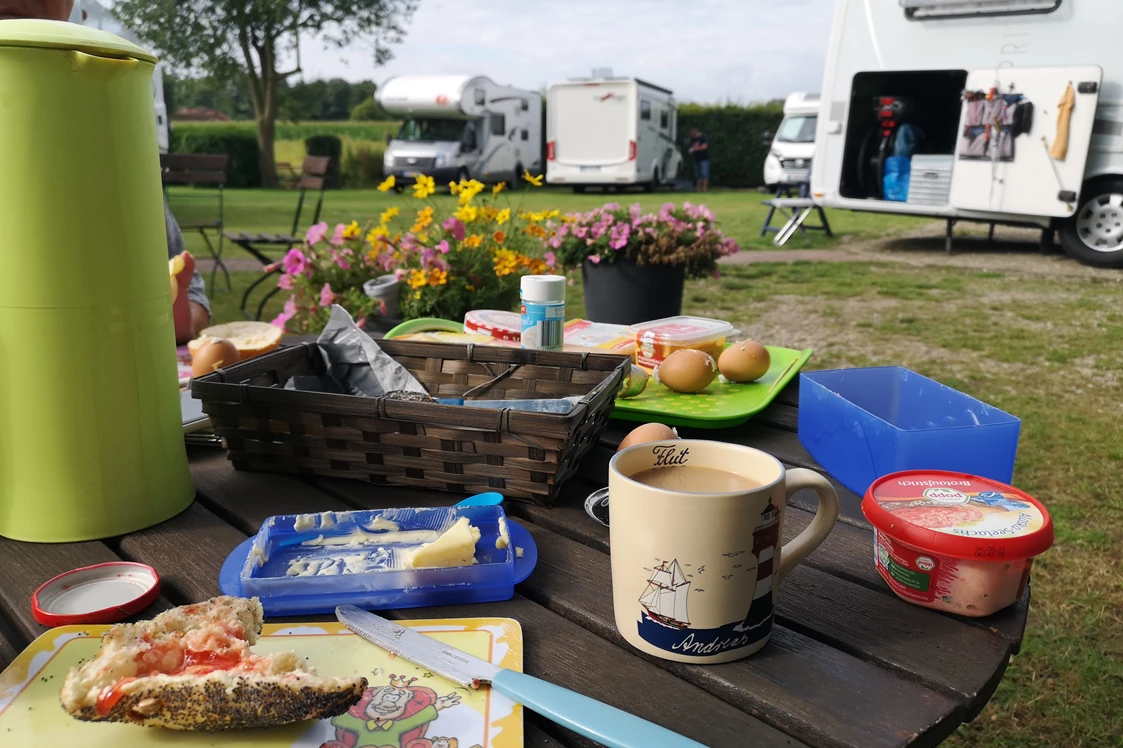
(696, 553)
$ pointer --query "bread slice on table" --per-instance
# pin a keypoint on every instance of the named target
(190, 668)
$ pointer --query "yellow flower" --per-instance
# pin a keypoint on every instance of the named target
(376, 234)
(536, 181)
(352, 230)
(473, 241)
(488, 213)
(438, 277)
(423, 238)
(454, 188)
(469, 287)
(506, 262)
(416, 295)
(498, 188)
(499, 237)
(387, 184)
(424, 218)
(535, 230)
(388, 215)
(423, 187)
(469, 189)
(503, 216)
(553, 213)
(417, 279)
(467, 213)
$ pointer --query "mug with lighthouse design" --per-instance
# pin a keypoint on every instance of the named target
(696, 552)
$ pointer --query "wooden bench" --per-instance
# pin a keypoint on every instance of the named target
(206, 170)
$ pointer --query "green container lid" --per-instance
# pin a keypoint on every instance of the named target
(71, 36)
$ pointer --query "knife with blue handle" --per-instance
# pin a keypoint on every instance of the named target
(605, 724)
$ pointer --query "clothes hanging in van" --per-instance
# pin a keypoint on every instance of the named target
(992, 121)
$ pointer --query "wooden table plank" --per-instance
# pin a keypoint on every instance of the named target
(535, 736)
(10, 643)
(800, 685)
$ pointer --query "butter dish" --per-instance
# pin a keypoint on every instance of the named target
(384, 558)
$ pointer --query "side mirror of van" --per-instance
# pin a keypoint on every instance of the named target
(766, 138)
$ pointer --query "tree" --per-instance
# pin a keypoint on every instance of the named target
(251, 38)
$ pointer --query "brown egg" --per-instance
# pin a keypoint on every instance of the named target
(212, 354)
(746, 361)
(686, 370)
(649, 432)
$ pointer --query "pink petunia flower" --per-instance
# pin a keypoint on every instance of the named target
(295, 262)
(442, 247)
(455, 227)
(635, 210)
(611, 206)
(399, 273)
(551, 259)
(337, 238)
(285, 282)
(327, 298)
(286, 314)
(316, 233)
(340, 261)
(595, 259)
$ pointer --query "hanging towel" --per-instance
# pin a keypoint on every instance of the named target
(1064, 118)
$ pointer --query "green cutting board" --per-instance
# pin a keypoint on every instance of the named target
(718, 406)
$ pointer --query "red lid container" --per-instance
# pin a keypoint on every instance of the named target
(958, 515)
(102, 593)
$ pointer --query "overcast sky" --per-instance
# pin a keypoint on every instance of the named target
(704, 50)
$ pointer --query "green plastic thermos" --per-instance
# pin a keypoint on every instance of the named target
(91, 433)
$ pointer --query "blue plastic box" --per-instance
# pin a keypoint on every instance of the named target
(861, 424)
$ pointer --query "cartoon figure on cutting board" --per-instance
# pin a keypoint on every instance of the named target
(393, 716)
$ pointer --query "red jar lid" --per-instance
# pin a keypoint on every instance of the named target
(959, 515)
(102, 593)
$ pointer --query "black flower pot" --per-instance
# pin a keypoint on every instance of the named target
(622, 293)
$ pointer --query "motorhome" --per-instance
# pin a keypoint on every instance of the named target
(789, 155)
(1003, 111)
(461, 127)
(611, 132)
(93, 14)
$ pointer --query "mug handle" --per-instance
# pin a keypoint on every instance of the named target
(797, 549)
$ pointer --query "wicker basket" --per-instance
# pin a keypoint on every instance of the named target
(446, 447)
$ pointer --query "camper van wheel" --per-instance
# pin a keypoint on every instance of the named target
(462, 175)
(517, 179)
(653, 185)
(1094, 234)
(578, 189)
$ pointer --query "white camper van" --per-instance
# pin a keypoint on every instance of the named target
(1003, 111)
(611, 132)
(789, 158)
(462, 127)
(93, 14)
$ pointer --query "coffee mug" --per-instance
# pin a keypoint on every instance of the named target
(694, 574)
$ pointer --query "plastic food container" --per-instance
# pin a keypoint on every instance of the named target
(861, 424)
(660, 338)
(499, 325)
(955, 542)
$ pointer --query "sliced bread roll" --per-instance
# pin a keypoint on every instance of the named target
(191, 668)
(250, 338)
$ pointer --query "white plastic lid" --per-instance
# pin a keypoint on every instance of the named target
(544, 289)
(682, 330)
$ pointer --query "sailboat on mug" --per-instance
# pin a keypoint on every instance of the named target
(664, 598)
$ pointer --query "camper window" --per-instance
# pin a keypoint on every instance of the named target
(664, 119)
(935, 9)
(525, 134)
(498, 124)
(644, 109)
(524, 104)
(797, 130)
(431, 130)
(480, 99)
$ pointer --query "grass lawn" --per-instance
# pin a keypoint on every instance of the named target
(1047, 349)
(739, 211)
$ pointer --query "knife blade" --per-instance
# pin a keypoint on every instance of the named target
(600, 722)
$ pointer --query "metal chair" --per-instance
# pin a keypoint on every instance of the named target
(199, 169)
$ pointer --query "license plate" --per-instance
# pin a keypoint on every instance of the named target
(412, 174)
(590, 168)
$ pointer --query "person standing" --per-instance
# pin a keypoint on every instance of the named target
(700, 149)
(191, 310)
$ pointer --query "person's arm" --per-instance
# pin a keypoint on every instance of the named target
(191, 311)
(703, 145)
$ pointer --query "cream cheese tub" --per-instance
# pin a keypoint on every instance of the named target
(955, 542)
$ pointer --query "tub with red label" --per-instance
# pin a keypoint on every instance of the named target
(955, 542)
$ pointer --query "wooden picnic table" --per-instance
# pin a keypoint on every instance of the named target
(848, 664)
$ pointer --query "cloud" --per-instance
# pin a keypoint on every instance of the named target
(705, 50)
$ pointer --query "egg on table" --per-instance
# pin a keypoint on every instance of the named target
(213, 354)
(649, 432)
(686, 370)
(744, 361)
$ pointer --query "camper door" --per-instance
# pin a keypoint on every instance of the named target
(1023, 139)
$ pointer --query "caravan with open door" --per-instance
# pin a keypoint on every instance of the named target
(1004, 111)
(461, 127)
(611, 132)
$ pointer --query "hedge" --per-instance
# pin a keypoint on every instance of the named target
(303, 130)
(734, 133)
(362, 164)
(243, 169)
(332, 147)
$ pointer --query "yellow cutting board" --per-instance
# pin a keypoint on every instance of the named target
(30, 714)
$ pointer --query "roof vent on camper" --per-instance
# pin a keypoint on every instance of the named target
(935, 9)
(602, 72)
